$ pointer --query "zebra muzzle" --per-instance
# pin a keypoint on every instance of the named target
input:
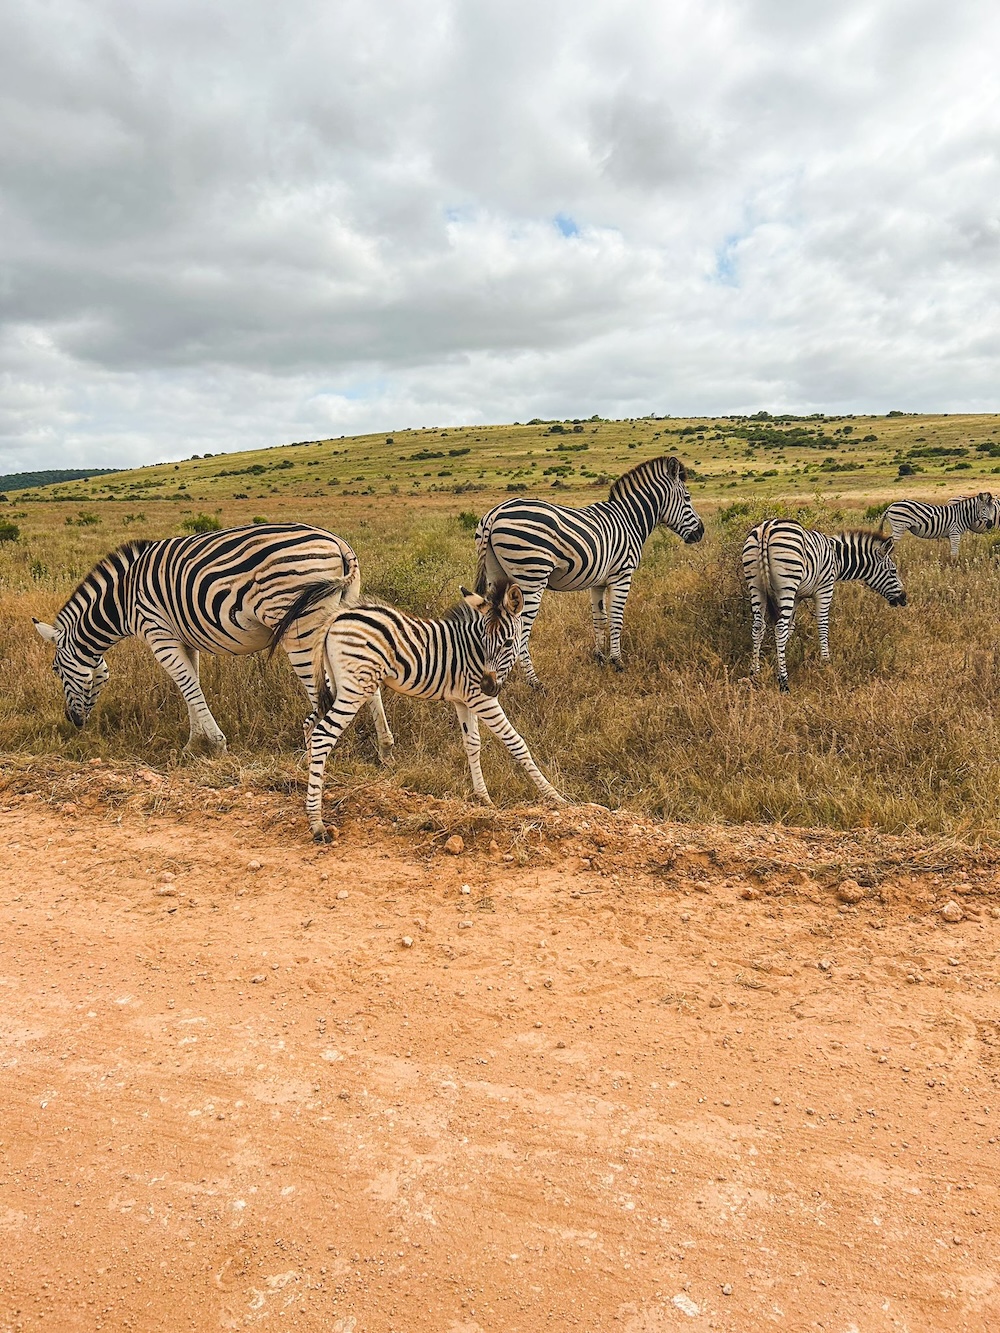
(489, 684)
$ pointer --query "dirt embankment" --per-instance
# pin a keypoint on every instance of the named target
(600, 1075)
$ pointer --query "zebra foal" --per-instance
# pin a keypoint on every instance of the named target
(216, 592)
(785, 563)
(539, 545)
(972, 513)
(462, 658)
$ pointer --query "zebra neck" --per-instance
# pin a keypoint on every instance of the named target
(642, 510)
(99, 612)
(849, 563)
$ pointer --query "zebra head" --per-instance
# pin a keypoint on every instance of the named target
(657, 491)
(984, 512)
(500, 611)
(867, 556)
(82, 677)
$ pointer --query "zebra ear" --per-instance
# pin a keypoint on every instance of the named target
(513, 599)
(50, 634)
(473, 599)
(676, 469)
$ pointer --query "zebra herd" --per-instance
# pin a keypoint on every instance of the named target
(244, 590)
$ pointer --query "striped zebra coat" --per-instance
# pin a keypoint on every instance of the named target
(462, 658)
(785, 563)
(972, 513)
(217, 592)
(539, 545)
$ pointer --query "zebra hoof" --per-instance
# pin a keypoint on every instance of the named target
(322, 836)
(386, 755)
(616, 664)
(600, 659)
(783, 687)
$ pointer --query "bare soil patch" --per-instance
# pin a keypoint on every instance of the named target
(639, 1077)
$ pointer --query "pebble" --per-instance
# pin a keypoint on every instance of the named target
(166, 891)
(455, 845)
(167, 877)
(727, 1289)
(342, 894)
(715, 1002)
(494, 846)
(253, 865)
(465, 925)
(466, 888)
(256, 980)
(850, 891)
(750, 894)
(560, 1045)
(951, 911)
(777, 1101)
(407, 942)
(824, 965)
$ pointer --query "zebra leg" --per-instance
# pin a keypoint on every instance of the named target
(490, 712)
(619, 596)
(181, 665)
(301, 658)
(324, 736)
(470, 738)
(824, 598)
(532, 601)
(781, 632)
(757, 632)
(953, 540)
(599, 615)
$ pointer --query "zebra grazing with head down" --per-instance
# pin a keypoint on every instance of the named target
(972, 513)
(785, 563)
(462, 658)
(541, 545)
(217, 592)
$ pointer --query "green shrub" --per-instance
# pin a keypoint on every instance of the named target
(201, 523)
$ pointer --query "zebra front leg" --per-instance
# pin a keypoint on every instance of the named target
(599, 615)
(181, 665)
(619, 596)
(953, 541)
(823, 601)
(532, 601)
(490, 712)
(325, 734)
(469, 723)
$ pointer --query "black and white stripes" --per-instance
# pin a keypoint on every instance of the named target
(973, 513)
(541, 545)
(785, 563)
(462, 658)
(218, 592)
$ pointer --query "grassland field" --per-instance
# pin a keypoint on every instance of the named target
(899, 732)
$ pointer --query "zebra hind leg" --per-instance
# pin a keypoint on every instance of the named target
(532, 601)
(599, 615)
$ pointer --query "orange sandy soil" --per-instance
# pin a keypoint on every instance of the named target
(640, 1077)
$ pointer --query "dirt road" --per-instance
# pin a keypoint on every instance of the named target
(633, 1077)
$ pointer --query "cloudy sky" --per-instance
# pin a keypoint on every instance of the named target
(227, 224)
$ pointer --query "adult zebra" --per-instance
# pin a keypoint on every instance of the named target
(217, 592)
(540, 545)
(971, 513)
(785, 563)
(462, 658)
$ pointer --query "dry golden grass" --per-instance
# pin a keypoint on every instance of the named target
(899, 732)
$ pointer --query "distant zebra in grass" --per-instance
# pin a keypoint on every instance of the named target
(785, 563)
(541, 545)
(217, 592)
(462, 658)
(973, 513)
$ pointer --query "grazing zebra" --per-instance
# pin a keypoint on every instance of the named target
(217, 592)
(785, 563)
(541, 545)
(463, 658)
(973, 513)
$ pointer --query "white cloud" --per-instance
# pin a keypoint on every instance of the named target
(227, 225)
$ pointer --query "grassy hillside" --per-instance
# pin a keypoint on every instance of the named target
(899, 732)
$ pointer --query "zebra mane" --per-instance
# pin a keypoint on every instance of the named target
(650, 467)
(862, 536)
(494, 594)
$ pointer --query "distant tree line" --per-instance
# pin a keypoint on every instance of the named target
(23, 481)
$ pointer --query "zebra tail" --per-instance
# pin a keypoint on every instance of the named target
(772, 610)
(310, 597)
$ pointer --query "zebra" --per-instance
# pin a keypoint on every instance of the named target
(462, 658)
(785, 563)
(542, 545)
(972, 513)
(218, 592)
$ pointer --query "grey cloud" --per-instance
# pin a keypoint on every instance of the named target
(238, 224)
